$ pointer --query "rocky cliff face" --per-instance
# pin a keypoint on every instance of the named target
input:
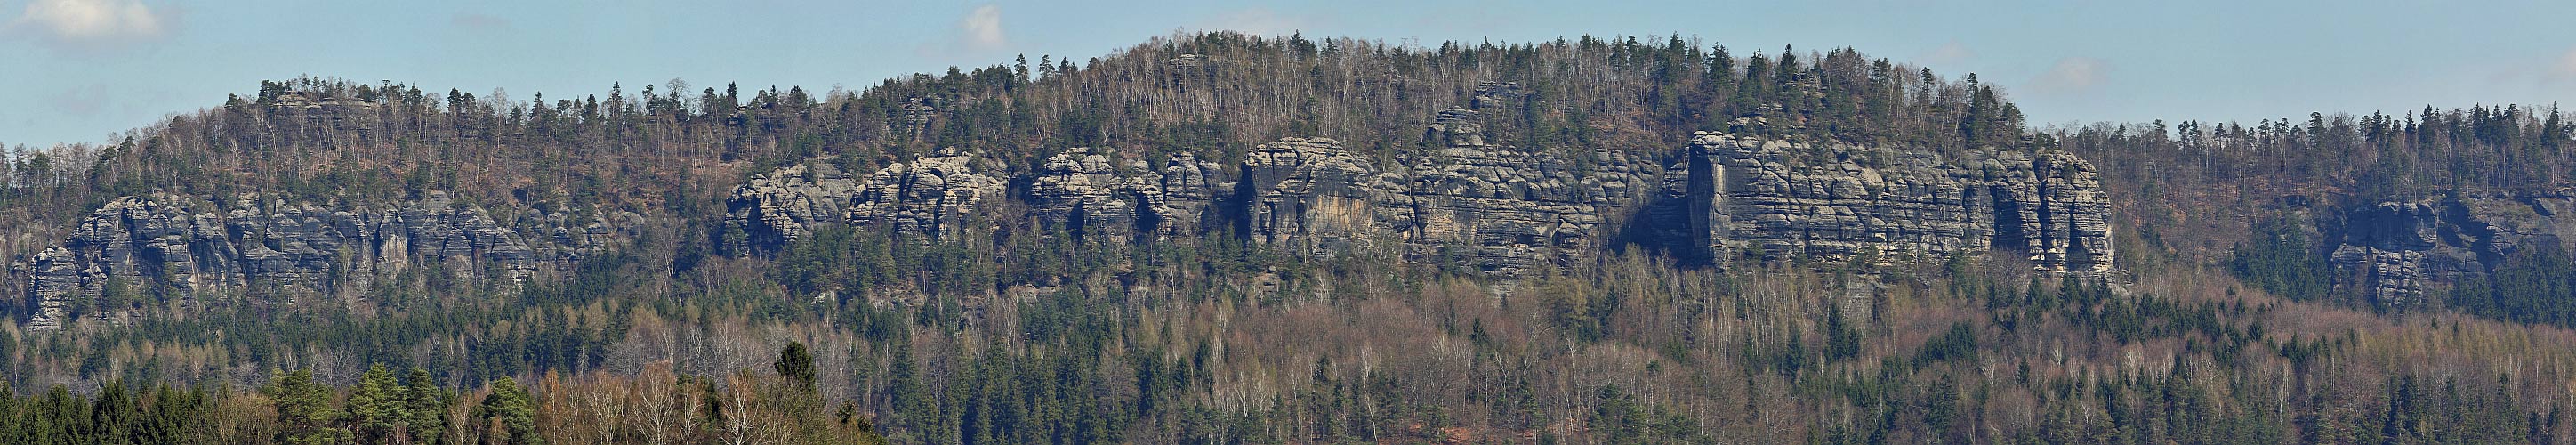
(1735, 198)
(1504, 211)
(779, 207)
(1500, 210)
(1091, 195)
(933, 196)
(263, 245)
(1311, 196)
(2394, 251)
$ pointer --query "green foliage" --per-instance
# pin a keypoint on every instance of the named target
(1842, 340)
(305, 411)
(2280, 259)
(796, 364)
(1959, 344)
(514, 408)
(1176, 341)
(2535, 284)
(425, 405)
(376, 408)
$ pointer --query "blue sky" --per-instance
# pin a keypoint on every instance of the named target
(82, 70)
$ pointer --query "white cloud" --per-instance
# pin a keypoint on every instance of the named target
(2072, 75)
(984, 28)
(2565, 69)
(90, 21)
(1948, 53)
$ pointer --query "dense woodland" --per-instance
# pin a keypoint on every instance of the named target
(2285, 185)
(2213, 334)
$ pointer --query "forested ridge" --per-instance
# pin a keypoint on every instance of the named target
(2224, 325)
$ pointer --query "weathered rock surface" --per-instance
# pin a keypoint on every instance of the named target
(933, 196)
(1505, 211)
(780, 207)
(261, 245)
(1309, 195)
(1093, 194)
(1735, 197)
(2394, 251)
(1190, 189)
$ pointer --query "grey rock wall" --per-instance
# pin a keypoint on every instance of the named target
(932, 196)
(264, 245)
(1739, 198)
(2394, 252)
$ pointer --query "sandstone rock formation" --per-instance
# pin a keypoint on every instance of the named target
(1504, 211)
(779, 207)
(933, 196)
(1770, 200)
(1190, 188)
(2394, 251)
(1092, 194)
(1308, 195)
(263, 245)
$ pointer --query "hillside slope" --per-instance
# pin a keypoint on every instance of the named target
(1220, 238)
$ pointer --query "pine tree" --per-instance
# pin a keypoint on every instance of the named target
(796, 364)
(304, 410)
(425, 406)
(516, 410)
(375, 405)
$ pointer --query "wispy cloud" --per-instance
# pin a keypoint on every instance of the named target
(2565, 68)
(979, 32)
(90, 22)
(2072, 75)
(1948, 53)
(983, 28)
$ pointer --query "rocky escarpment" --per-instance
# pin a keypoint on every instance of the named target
(1503, 210)
(263, 245)
(1468, 202)
(2395, 251)
(781, 206)
(1733, 198)
(933, 196)
(1309, 195)
(1089, 194)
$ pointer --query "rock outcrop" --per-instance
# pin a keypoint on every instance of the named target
(1093, 194)
(1505, 211)
(1309, 195)
(1734, 197)
(933, 196)
(779, 207)
(1473, 204)
(263, 245)
(2395, 251)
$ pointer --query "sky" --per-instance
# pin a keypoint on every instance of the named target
(87, 70)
